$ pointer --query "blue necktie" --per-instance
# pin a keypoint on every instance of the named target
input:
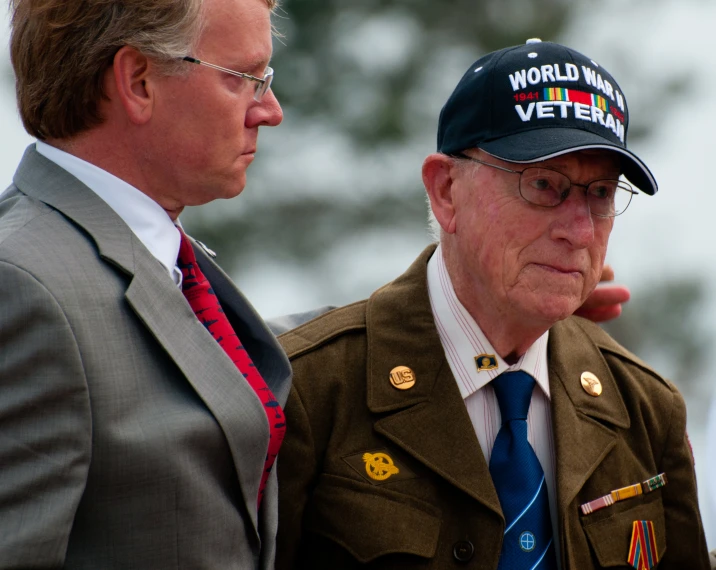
(519, 481)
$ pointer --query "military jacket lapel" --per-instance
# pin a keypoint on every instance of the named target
(583, 424)
(428, 421)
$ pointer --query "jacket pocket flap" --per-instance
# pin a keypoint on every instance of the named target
(370, 522)
(610, 536)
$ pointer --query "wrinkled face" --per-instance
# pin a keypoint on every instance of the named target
(511, 259)
(206, 122)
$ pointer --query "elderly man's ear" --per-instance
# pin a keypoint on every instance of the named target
(605, 302)
(438, 171)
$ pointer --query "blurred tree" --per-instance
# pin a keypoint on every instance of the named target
(361, 85)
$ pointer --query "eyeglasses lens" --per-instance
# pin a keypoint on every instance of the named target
(263, 87)
(549, 188)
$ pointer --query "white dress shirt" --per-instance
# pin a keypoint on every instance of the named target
(462, 341)
(147, 219)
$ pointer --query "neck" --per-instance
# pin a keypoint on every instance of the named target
(510, 333)
(510, 340)
(112, 153)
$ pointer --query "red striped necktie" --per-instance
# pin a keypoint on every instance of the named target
(206, 306)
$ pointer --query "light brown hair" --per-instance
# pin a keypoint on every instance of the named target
(61, 49)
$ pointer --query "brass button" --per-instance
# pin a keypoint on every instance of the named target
(402, 378)
(591, 384)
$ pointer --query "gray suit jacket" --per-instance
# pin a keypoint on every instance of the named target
(128, 439)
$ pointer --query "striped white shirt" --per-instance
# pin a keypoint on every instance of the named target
(462, 341)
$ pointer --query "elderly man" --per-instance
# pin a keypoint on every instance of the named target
(460, 417)
(136, 431)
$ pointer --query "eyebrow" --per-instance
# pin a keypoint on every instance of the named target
(256, 63)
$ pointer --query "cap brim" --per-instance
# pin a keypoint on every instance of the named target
(542, 144)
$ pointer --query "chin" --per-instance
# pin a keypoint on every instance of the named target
(208, 195)
(234, 193)
(234, 187)
(556, 308)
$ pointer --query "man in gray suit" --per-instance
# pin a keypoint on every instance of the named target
(128, 438)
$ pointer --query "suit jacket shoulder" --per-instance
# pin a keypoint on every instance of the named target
(323, 329)
(577, 345)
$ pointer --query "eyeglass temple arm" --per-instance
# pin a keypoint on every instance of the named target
(465, 157)
(224, 69)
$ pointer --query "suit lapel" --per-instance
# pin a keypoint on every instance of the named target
(583, 425)
(429, 421)
(261, 343)
(162, 308)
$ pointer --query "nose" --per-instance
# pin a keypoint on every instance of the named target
(265, 113)
(574, 223)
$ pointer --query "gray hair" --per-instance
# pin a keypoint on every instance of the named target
(434, 229)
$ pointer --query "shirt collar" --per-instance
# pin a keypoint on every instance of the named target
(147, 219)
(463, 340)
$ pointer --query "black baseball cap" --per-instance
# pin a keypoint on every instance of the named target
(536, 101)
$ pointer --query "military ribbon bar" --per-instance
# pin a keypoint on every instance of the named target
(643, 554)
(654, 483)
(624, 493)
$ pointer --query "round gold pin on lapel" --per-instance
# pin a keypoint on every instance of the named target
(402, 378)
(591, 384)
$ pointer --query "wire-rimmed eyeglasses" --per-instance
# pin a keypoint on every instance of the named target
(549, 188)
(263, 84)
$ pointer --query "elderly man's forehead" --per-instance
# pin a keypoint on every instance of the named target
(598, 157)
(597, 152)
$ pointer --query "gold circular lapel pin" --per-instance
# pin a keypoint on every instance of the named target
(591, 384)
(402, 378)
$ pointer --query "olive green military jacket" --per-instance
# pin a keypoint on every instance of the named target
(371, 476)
